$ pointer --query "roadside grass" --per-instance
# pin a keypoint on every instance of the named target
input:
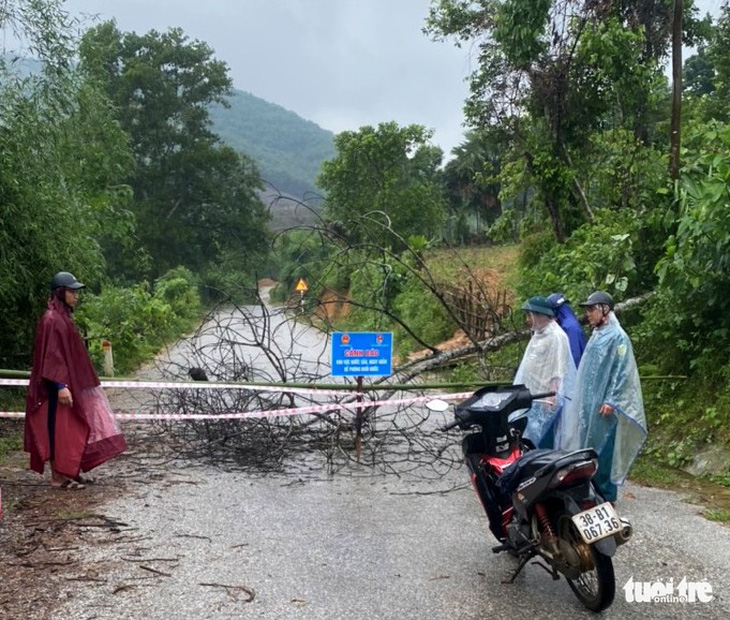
(11, 439)
(704, 491)
(648, 472)
(10, 505)
(10, 443)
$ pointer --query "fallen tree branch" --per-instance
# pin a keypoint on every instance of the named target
(249, 591)
(410, 370)
(154, 570)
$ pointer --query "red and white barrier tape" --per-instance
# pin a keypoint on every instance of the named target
(270, 413)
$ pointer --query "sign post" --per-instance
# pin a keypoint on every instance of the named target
(301, 287)
(359, 355)
(362, 354)
(106, 347)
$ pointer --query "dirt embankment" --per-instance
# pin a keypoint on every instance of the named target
(332, 306)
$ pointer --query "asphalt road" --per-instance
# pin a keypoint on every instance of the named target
(198, 543)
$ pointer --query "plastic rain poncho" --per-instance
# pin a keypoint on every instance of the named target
(576, 338)
(607, 375)
(546, 366)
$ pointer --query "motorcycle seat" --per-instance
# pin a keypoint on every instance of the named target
(535, 461)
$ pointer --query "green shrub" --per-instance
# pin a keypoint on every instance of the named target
(600, 255)
(418, 308)
(177, 288)
(138, 320)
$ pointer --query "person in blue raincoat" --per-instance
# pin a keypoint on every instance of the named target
(546, 366)
(566, 318)
(606, 412)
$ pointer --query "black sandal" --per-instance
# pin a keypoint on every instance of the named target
(68, 485)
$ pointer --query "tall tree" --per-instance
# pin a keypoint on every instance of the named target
(698, 74)
(385, 177)
(471, 182)
(194, 199)
(63, 159)
(715, 60)
(552, 72)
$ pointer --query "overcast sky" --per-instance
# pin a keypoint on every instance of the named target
(340, 63)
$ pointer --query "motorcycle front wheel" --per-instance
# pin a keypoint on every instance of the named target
(595, 585)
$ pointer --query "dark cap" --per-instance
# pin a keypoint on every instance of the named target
(556, 300)
(598, 298)
(540, 305)
(66, 280)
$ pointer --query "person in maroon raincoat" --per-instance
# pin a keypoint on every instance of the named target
(68, 419)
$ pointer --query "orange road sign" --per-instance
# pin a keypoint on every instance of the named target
(301, 286)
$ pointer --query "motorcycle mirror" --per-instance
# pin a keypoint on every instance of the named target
(437, 405)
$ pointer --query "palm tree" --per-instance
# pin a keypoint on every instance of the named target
(471, 185)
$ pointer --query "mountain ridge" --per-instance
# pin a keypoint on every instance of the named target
(288, 149)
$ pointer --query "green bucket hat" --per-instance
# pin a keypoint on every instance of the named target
(540, 305)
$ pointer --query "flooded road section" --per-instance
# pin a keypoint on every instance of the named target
(256, 343)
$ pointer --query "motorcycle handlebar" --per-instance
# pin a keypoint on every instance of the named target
(456, 422)
(542, 395)
(450, 425)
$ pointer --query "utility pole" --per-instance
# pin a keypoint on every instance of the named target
(675, 137)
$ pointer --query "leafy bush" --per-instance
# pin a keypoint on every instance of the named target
(696, 268)
(600, 255)
(418, 308)
(687, 324)
(138, 320)
(374, 287)
(177, 288)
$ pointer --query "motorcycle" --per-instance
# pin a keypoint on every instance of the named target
(540, 503)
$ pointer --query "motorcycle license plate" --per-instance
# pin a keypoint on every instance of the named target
(597, 522)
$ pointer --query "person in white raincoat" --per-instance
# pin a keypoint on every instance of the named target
(547, 366)
(606, 412)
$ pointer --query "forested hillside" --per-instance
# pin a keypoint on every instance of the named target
(288, 149)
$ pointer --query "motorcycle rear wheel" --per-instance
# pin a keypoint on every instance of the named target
(595, 587)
